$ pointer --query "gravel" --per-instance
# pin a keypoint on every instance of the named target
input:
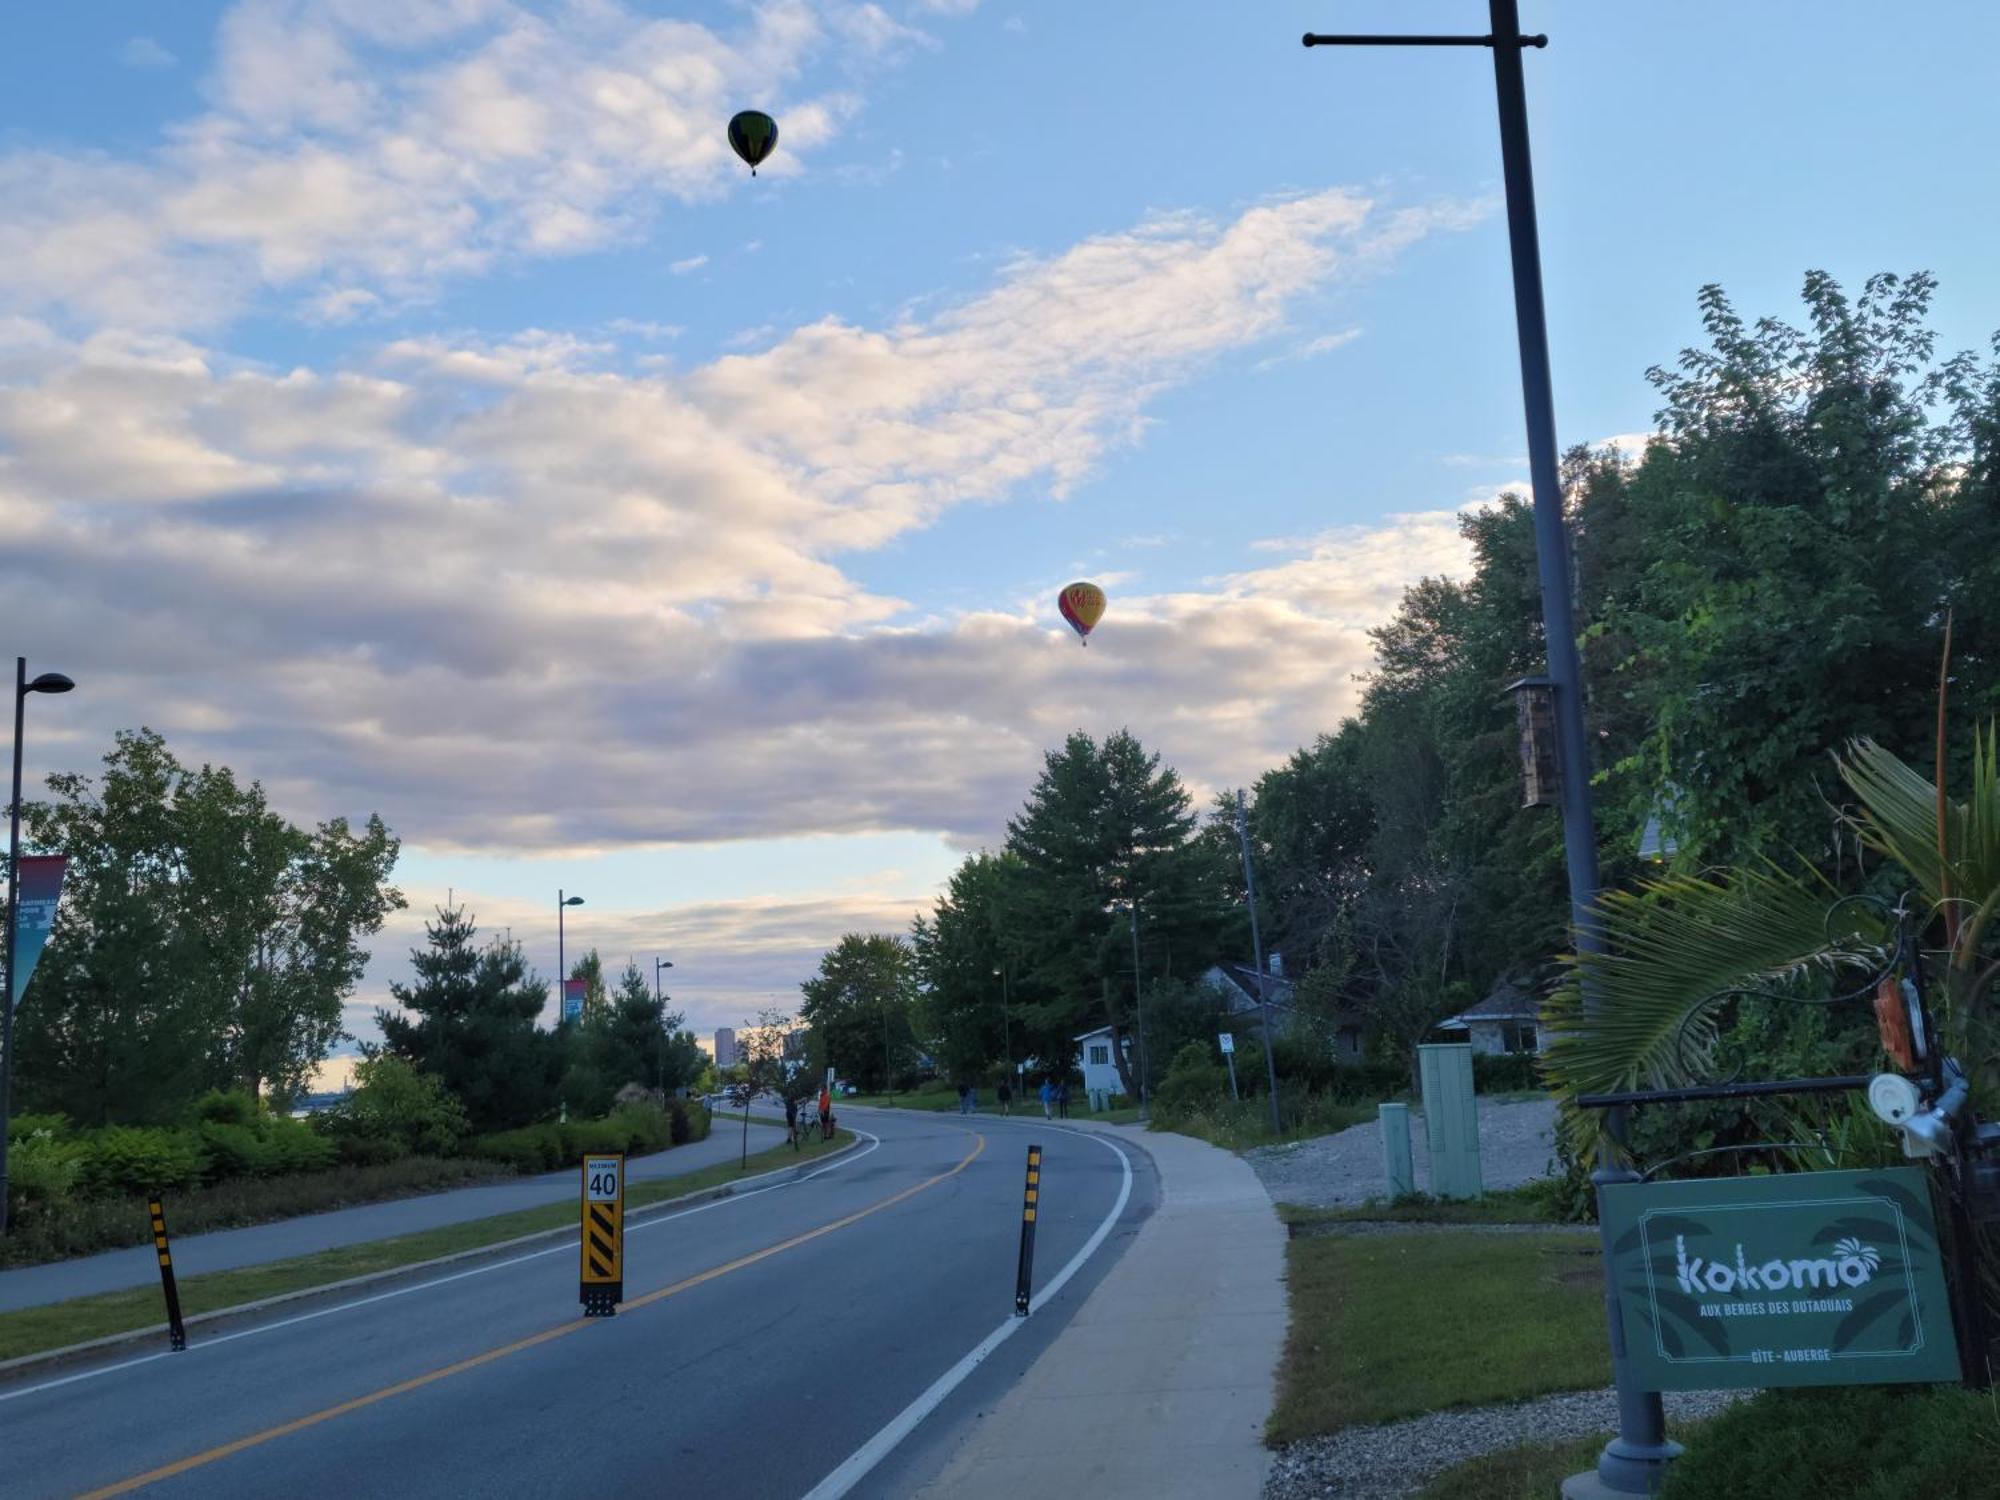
(1516, 1145)
(1396, 1459)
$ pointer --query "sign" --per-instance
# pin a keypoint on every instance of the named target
(1801, 1278)
(41, 877)
(573, 992)
(602, 1281)
(1228, 1040)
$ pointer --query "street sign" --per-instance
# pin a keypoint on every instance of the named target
(603, 1249)
(1799, 1278)
(1228, 1040)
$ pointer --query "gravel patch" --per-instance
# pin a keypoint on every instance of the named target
(1516, 1146)
(1396, 1459)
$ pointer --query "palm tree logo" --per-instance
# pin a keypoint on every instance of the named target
(1865, 1256)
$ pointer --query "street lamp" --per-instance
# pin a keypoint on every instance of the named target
(1635, 1462)
(1006, 1035)
(1139, 993)
(48, 682)
(1257, 954)
(562, 964)
(660, 1047)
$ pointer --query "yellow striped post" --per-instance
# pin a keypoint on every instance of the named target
(176, 1330)
(1024, 1278)
(603, 1250)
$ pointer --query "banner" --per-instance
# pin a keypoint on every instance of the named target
(41, 877)
(572, 1001)
(1799, 1278)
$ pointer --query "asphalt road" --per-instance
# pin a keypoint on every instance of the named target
(764, 1339)
(226, 1249)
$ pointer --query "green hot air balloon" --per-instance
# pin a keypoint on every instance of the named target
(754, 134)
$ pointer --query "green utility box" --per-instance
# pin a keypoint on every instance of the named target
(1396, 1163)
(1451, 1119)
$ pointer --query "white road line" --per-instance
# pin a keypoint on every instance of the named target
(863, 1460)
(560, 1247)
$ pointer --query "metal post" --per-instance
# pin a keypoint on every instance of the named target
(1006, 1033)
(1024, 1271)
(1257, 952)
(1139, 990)
(13, 914)
(1634, 1462)
(562, 966)
(177, 1339)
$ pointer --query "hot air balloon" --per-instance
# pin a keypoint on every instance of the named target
(754, 134)
(1082, 604)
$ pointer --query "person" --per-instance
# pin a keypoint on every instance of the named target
(964, 1099)
(1006, 1097)
(825, 1113)
(1062, 1100)
(792, 1131)
(1048, 1098)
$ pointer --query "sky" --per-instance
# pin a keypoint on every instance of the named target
(413, 404)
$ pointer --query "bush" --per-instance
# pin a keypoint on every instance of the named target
(680, 1129)
(1504, 1072)
(233, 1150)
(42, 1169)
(1194, 1080)
(292, 1146)
(394, 1111)
(228, 1107)
(122, 1159)
(56, 1127)
(1858, 1442)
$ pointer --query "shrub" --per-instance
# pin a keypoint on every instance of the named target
(233, 1150)
(1193, 1081)
(395, 1110)
(22, 1126)
(1504, 1072)
(128, 1159)
(292, 1146)
(1858, 1442)
(42, 1169)
(227, 1107)
(680, 1130)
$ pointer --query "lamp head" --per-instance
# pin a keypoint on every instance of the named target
(573, 901)
(50, 682)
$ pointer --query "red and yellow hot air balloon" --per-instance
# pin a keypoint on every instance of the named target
(1082, 604)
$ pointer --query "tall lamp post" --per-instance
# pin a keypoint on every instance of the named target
(562, 960)
(48, 682)
(660, 1048)
(1006, 1033)
(1257, 953)
(1139, 994)
(1634, 1462)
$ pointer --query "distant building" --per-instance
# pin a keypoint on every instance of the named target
(1237, 985)
(726, 1055)
(1094, 1055)
(1509, 1019)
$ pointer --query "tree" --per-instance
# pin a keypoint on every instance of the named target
(474, 1025)
(762, 1067)
(596, 999)
(968, 970)
(204, 941)
(1104, 828)
(861, 1008)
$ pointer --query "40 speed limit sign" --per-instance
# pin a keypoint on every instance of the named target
(602, 1283)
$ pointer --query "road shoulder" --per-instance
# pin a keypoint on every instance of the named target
(1161, 1382)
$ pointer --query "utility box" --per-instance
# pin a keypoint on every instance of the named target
(1451, 1119)
(1397, 1166)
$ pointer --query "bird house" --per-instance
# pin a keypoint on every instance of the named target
(1535, 715)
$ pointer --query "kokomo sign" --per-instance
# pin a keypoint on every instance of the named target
(1807, 1278)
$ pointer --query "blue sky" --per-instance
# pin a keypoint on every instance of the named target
(609, 519)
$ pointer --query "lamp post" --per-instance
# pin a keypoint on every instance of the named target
(1257, 953)
(1139, 993)
(1006, 1035)
(48, 682)
(562, 960)
(660, 1048)
(1634, 1462)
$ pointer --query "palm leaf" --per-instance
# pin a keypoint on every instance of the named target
(1669, 949)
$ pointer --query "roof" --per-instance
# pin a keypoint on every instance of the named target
(1515, 996)
(1243, 977)
(1086, 1036)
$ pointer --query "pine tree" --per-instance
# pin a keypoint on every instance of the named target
(474, 1025)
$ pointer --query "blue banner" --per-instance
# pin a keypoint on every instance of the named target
(41, 877)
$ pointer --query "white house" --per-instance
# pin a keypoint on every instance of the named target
(1238, 987)
(1099, 1071)
(1508, 1020)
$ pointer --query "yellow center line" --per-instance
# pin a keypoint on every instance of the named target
(547, 1335)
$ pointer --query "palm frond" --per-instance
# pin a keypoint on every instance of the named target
(1671, 947)
(1899, 814)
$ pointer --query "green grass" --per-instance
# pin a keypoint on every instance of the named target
(1533, 1471)
(1387, 1326)
(33, 1329)
(1532, 1204)
(1239, 1124)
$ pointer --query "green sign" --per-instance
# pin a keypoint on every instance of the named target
(1805, 1278)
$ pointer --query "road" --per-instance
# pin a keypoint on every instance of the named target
(226, 1249)
(765, 1338)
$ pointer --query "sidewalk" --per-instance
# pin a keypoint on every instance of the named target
(1161, 1382)
(226, 1249)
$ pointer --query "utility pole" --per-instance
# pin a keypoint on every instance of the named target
(1257, 952)
(1139, 992)
(1635, 1462)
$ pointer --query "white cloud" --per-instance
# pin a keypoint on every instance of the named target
(144, 52)
(692, 263)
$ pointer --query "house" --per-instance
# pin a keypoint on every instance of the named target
(1508, 1020)
(1099, 1071)
(1237, 986)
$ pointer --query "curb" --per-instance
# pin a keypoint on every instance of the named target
(251, 1312)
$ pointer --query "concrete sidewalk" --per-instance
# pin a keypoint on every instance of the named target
(226, 1249)
(1162, 1381)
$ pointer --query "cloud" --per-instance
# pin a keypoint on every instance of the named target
(692, 263)
(355, 147)
(144, 52)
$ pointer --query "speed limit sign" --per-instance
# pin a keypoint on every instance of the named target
(601, 1178)
(603, 1239)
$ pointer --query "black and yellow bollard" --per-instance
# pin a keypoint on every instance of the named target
(1024, 1278)
(176, 1330)
(603, 1250)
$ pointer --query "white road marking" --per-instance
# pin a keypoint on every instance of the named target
(560, 1247)
(863, 1460)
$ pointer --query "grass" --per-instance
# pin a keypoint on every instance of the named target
(1530, 1204)
(1237, 1125)
(1532, 1471)
(1387, 1326)
(33, 1329)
